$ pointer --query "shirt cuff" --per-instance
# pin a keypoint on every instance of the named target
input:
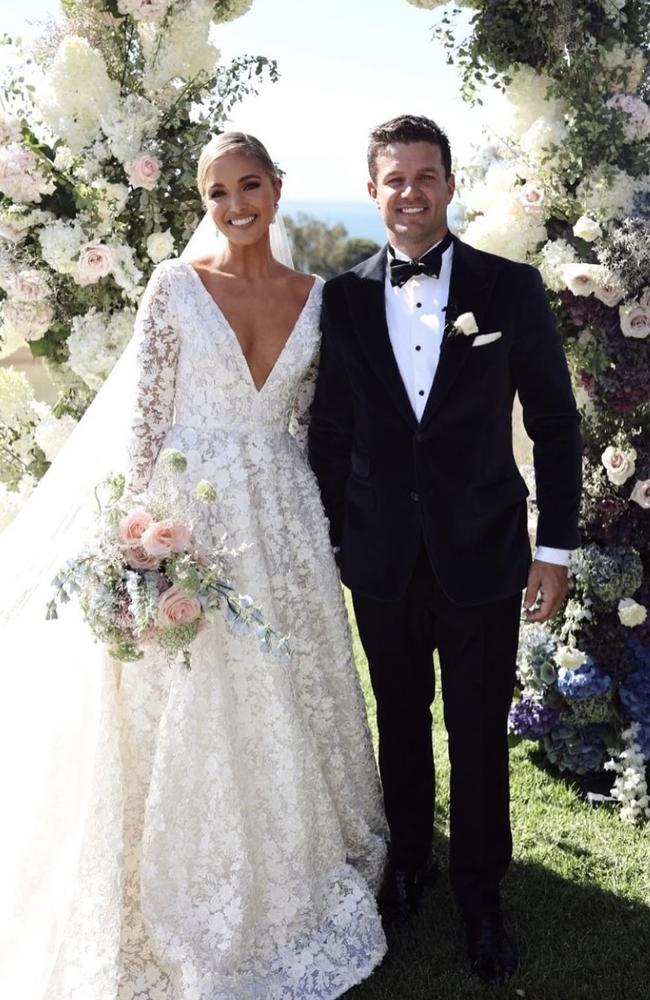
(558, 556)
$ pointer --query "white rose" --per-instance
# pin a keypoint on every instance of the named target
(570, 658)
(29, 320)
(630, 613)
(160, 245)
(96, 260)
(581, 278)
(531, 196)
(635, 320)
(143, 171)
(609, 289)
(619, 465)
(466, 323)
(641, 493)
(587, 229)
(28, 285)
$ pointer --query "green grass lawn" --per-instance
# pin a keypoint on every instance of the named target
(577, 898)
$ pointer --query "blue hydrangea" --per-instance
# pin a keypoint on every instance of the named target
(585, 682)
(580, 750)
(643, 739)
(531, 719)
(607, 574)
(634, 692)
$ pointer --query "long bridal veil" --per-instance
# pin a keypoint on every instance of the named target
(59, 746)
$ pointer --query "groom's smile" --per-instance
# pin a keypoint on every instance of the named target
(412, 191)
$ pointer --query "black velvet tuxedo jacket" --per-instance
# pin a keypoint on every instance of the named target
(389, 483)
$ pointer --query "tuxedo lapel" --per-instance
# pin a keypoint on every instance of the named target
(472, 277)
(368, 305)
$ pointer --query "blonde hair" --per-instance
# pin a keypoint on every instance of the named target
(228, 142)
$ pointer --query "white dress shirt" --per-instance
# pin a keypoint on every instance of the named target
(415, 313)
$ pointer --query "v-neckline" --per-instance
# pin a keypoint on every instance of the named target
(237, 344)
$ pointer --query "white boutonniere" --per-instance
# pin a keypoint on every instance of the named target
(465, 324)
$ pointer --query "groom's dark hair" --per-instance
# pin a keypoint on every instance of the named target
(407, 128)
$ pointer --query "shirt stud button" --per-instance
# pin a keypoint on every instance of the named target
(414, 496)
(421, 392)
(419, 305)
(417, 347)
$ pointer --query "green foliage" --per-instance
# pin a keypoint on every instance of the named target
(325, 250)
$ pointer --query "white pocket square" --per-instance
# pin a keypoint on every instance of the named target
(486, 338)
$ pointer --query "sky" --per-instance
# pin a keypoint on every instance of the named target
(345, 65)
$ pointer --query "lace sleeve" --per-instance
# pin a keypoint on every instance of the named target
(157, 353)
(299, 422)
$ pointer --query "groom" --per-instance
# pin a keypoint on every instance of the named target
(424, 347)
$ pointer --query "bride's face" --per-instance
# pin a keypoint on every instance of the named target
(241, 197)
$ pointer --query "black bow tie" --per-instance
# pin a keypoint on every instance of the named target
(430, 264)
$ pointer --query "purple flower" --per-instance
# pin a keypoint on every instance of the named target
(531, 719)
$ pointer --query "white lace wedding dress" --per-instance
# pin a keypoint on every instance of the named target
(233, 836)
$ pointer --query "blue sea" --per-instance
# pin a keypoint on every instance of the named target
(359, 218)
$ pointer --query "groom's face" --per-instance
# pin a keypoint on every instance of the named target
(412, 192)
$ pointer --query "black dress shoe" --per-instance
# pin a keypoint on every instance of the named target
(491, 953)
(401, 892)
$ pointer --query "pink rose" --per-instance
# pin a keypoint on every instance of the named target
(28, 285)
(138, 558)
(635, 320)
(96, 260)
(133, 526)
(531, 196)
(143, 172)
(164, 537)
(641, 493)
(176, 608)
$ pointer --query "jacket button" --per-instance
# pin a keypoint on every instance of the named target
(420, 437)
(414, 496)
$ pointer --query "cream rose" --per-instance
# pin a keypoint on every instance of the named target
(176, 608)
(581, 279)
(143, 172)
(132, 527)
(619, 465)
(587, 229)
(630, 613)
(531, 196)
(160, 245)
(635, 320)
(609, 290)
(466, 323)
(96, 260)
(641, 493)
(164, 537)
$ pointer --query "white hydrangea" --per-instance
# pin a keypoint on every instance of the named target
(526, 101)
(96, 342)
(11, 340)
(12, 500)
(16, 399)
(10, 130)
(60, 244)
(63, 158)
(126, 272)
(545, 132)
(26, 320)
(16, 221)
(144, 10)
(630, 787)
(553, 259)
(184, 52)
(507, 230)
(52, 433)
(500, 180)
(77, 92)
(20, 177)
(607, 193)
(626, 67)
(127, 124)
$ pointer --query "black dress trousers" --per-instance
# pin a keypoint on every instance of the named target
(477, 647)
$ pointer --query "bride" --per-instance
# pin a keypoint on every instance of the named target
(212, 834)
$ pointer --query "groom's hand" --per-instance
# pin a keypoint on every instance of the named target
(548, 583)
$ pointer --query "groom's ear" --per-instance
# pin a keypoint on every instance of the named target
(372, 189)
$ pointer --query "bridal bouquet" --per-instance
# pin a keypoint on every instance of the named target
(145, 581)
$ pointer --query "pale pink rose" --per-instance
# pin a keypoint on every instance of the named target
(165, 537)
(635, 320)
(28, 285)
(30, 320)
(531, 196)
(609, 289)
(176, 608)
(137, 558)
(619, 465)
(96, 260)
(581, 278)
(641, 493)
(143, 172)
(132, 527)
